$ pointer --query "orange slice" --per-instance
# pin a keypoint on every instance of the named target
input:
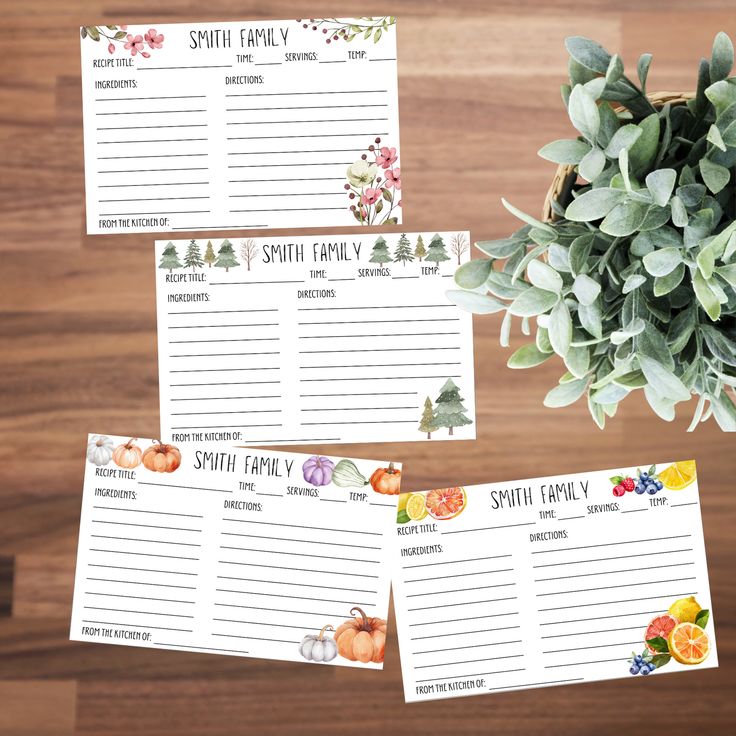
(688, 643)
(446, 503)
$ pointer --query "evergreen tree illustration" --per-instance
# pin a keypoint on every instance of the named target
(226, 256)
(380, 253)
(193, 256)
(449, 409)
(209, 254)
(427, 423)
(170, 258)
(420, 251)
(403, 251)
(437, 251)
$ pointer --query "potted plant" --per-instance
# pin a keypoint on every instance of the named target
(630, 275)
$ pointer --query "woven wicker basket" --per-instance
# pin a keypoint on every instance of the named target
(565, 176)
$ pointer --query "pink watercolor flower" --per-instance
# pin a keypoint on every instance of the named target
(134, 44)
(111, 48)
(153, 39)
(393, 178)
(386, 157)
(370, 196)
(123, 28)
(145, 55)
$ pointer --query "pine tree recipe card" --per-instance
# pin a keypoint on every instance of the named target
(552, 581)
(340, 338)
(259, 124)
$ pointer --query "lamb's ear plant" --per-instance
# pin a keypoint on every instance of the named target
(633, 283)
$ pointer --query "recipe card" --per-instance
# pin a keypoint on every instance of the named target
(260, 124)
(339, 338)
(552, 581)
(235, 551)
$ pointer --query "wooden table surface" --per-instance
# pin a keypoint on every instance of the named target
(479, 95)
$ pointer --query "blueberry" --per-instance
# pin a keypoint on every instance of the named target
(639, 489)
(645, 670)
(644, 476)
(651, 489)
(638, 659)
(659, 485)
(634, 669)
(652, 666)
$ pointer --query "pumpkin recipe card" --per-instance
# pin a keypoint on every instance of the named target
(552, 581)
(235, 551)
(318, 339)
(213, 126)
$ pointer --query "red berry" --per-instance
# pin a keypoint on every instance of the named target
(618, 490)
(628, 484)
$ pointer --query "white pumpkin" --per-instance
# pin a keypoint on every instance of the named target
(318, 647)
(100, 449)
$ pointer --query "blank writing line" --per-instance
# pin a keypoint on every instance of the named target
(455, 562)
(185, 488)
(625, 600)
(304, 526)
(610, 544)
(143, 511)
(305, 541)
(297, 569)
(488, 528)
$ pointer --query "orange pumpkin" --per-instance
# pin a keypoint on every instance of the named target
(161, 458)
(387, 480)
(361, 639)
(128, 455)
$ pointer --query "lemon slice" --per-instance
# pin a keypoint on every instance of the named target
(688, 643)
(416, 508)
(679, 475)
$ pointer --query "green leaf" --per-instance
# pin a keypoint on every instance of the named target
(633, 282)
(625, 137)
(660, 660)
(724, 412)
(706, 295)
(93, 33)
(377, 35)
(702, 618)
(662, 380)
(472, 301)
(624, 219)
(728, 273)
(714, 175)
(722, 94)
(663, 408)
(532, 302)
(577, 361)
(644, 150)
(528, 218)
(586, 289)
(565, 394)
(642, 69)
(594, 204)
(706, 261)
(501, 248)
(615, 69)
(679, 213)
(660, 185)
(543, 276)
(528, 356)
(560, 328)
(714, 136)
(591, 319)
(665, 284)
(592, 164)
(565, 151)
(588, 53)
(474, 273)
(721, 59)
(659, 644)
(578, 253)
(663, 261)
(584, 113)
(634, 328)
(718, 344)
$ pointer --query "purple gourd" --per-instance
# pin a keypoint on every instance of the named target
(317, 470)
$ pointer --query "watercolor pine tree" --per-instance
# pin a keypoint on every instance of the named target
(420, 251)
(449, 411)
(193, 256)
(226, 256)
(170, 258)
(427, 422)
(403, 252)
(209, 254)
(437, 251)
(380, 253)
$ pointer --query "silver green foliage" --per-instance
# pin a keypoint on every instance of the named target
(634, 286)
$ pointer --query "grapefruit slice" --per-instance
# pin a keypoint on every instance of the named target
(660, 626)
(679, 475)
(446, 503)
(688, 643)
(416, 509)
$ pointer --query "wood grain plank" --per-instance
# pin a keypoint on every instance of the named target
(38, 708)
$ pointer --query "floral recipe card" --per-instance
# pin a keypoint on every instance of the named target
(340, 338)
(552, 581)
(241, 125)
(235, 551)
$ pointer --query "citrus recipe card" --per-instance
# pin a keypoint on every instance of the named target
(552, 581)
(339, 338)
(235, 551)
(209, 126)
